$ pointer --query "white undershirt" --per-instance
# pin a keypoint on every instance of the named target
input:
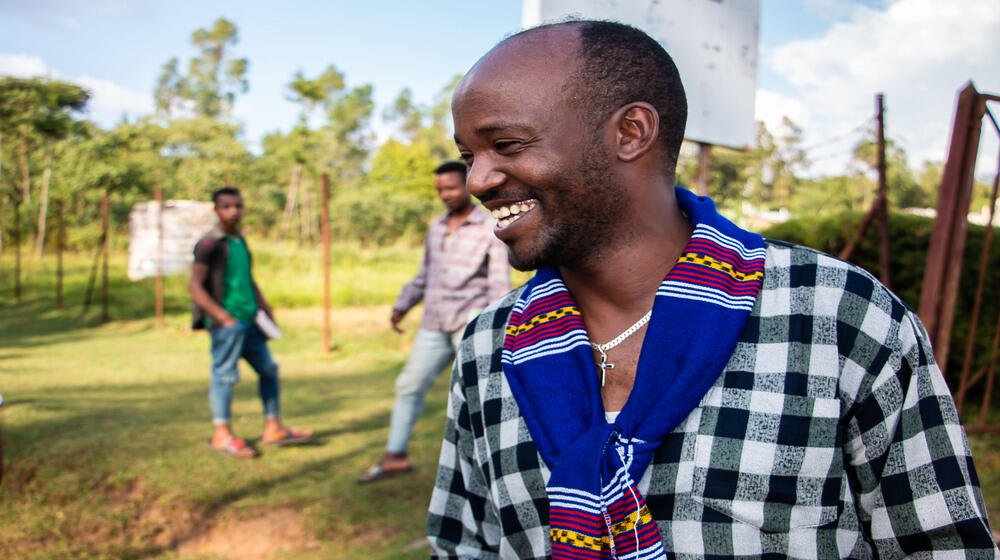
(611, 415)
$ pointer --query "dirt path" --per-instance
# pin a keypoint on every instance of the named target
(257, 538)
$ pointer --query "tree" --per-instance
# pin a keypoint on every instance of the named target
(37, 110)
(404, 168)
(204, 154)
(729, 171)
(904, 190)
(781, 160)
(406, 113)
(397, 199)
(317, 92)
(428, 124)
(213, 79)
(766, 176)
(54, 123)
(303, 146)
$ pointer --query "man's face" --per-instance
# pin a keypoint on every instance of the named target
(229, 209)
(533, 161)
(451, 190)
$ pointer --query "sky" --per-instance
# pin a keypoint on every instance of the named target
(820, 62)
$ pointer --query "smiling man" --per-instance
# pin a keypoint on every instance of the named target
(669, 384)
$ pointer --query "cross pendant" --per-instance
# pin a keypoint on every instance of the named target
(604, 365)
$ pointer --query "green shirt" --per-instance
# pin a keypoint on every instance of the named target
(239, 297)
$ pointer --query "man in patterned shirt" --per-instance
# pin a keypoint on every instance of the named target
(465, 267)
(754, 398)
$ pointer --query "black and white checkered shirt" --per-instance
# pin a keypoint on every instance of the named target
(830, 434)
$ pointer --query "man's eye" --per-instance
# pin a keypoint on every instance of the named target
(466, 157)
(505, 145)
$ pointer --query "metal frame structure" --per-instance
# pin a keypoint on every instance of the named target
(944, 256)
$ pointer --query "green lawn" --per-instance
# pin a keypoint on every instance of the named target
(104, 426)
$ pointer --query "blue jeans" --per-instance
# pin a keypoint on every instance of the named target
(229, 344)
(431, 352)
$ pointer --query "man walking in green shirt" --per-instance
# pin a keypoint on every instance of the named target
(226, 302)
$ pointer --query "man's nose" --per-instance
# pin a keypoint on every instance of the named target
(482, 177)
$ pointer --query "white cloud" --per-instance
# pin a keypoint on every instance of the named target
(832, 9)
(23, 66)
(108, 100)
(917, 52)
(771, 107)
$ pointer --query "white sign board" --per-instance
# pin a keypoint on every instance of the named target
(713, 43)
(184, 222)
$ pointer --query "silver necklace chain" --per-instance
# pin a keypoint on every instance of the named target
(603, 348)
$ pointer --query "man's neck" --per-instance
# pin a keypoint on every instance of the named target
(460, 213)
(619, 284)
(454, 218)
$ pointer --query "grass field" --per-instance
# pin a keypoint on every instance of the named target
(104, 425)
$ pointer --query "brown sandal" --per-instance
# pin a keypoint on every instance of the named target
(233, 448)
(378, 472)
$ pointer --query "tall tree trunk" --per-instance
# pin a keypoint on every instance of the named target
(305, 229)
(290, 203)
(1, 175)
(311, 218)
(43, 205)
(22, 161)
(17, 250)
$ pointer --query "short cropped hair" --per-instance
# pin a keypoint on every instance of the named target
(452, 166)
(225, 191)
(621, 64)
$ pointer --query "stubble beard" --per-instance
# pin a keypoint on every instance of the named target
(591, 214)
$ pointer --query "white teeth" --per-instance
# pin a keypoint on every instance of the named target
(507, 215)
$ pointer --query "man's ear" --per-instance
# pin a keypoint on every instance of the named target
(638, 129)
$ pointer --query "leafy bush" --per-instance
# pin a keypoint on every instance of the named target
(377, 215)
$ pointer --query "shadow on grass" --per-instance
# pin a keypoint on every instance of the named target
(32, 324)
(37, 313)
(130, 406)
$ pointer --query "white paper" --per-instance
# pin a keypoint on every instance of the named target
(266, 325)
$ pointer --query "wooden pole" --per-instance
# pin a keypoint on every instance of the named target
(879, 208)
(977, 303)
(883, 196)
(325, 226)
(60, 244)
(159, 257)
(704, 163)
(106, 238)
(939, 289)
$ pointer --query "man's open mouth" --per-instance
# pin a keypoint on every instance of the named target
(509, 214)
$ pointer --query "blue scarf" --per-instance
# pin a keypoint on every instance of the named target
(595, 508)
